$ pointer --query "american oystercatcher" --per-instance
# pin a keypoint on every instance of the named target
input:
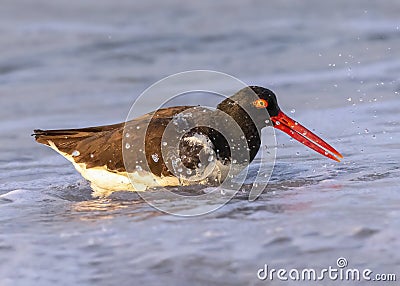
(97, 152)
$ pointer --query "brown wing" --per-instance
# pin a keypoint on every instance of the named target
(102, 145)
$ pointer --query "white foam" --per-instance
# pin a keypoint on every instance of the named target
(25, 196)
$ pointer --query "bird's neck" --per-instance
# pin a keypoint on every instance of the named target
(251, 131)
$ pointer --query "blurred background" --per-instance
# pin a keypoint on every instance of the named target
(335, 67)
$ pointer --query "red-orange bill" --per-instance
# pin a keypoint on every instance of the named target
(304, 136)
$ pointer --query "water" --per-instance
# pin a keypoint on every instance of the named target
(76, 64)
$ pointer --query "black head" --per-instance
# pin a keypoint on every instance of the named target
(255, 101)
(249, 107)
(267, 99)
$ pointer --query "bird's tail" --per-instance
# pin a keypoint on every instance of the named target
(44, 136)
(68, 135)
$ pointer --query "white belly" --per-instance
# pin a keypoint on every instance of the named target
(104, 182)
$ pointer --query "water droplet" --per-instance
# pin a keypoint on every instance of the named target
(296, 123)
(164, 143)
(293, 110)
(188, 171)
(91, 156)
(127, 135)
(234, 161)
(349, 99)
(127, 145)
(278, 123)
(139, 168)
(267, 121)
(137, 127)
(210, 159)
(366, 131)
(374, 136)
(76, 153)
(155, 157)
(297, 153)
(180, 170)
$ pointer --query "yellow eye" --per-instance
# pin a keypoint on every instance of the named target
(260, 103)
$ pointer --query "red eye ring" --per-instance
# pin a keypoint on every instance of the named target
(260, 103)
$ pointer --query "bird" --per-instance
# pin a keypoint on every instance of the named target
(99, 153)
